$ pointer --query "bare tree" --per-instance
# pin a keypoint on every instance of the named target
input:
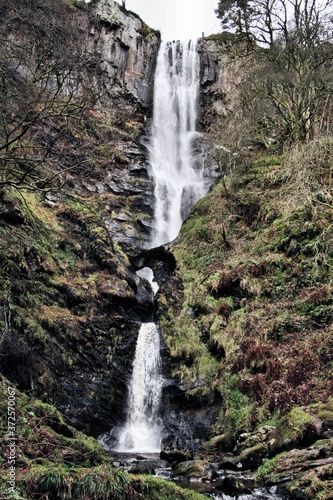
(41, 57)
(292, 43)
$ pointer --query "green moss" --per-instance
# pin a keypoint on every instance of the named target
(254, 260)
(293, 425)
(271, 160)
(226, 38)
(314, 485)
(147, 32)
(102, 482)
(266, 470)
(236, 415)
(55, 461)
(154, 489)
(272, 421)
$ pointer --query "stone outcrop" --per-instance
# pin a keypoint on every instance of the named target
(220, 77)
(126, 194)
(123, 52)
(124, 49)
(304, 473)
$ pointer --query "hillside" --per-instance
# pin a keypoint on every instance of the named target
(251, 333)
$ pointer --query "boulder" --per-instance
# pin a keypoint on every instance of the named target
(192, 469)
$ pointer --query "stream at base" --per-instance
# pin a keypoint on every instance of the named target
(221, 484)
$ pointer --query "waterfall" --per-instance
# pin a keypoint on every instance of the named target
(174, 166)
(142, 430)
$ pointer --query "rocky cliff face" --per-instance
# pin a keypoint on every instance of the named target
(125, 49)
(223, 67)
(73, 301)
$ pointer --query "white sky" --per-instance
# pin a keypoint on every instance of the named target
(177, 19)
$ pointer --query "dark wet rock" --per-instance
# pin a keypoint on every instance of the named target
(301, 427)
(219, 443)
(143, 468)
(174, 456)
(248, 459)
(9, 213)
(141, 464)
(232, 485)
(251, 458)
(145, 299)
(159, 259)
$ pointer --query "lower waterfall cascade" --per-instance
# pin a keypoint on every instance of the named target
(142, 430)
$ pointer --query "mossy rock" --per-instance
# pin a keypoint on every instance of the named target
(219, 442)
(297, 428)
(192, 469)
(306, 474)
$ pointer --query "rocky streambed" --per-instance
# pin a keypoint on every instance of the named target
(199, 475)
(291, 460)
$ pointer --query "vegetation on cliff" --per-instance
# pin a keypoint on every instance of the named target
(255, 257)
(253, 329)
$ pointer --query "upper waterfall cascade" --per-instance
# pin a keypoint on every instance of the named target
(176, 165)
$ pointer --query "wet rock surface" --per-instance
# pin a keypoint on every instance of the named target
(218, 80)
(262, 463)
(127, 50)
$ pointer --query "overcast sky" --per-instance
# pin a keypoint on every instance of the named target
(177, 19)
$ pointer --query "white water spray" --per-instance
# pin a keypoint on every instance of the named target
(142, 430)
(177, 172)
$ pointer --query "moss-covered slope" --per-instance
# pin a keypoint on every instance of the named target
(66, 293)
(253, 327)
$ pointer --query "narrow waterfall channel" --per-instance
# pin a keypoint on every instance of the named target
(142, 431)
(175, 165)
